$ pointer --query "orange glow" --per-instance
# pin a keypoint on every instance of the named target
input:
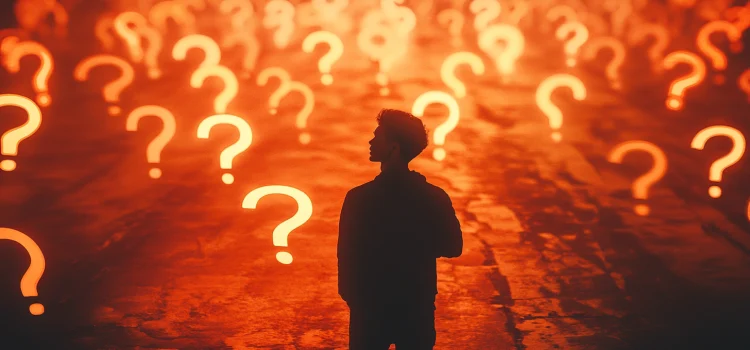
(744, 83)
(195, 5)
(454, 20)
(592, 48)
(329, 10)
(678, 87)
(14, 51)
(231, 86)
(153, 151)
(718, 58)
(227, 155)
(454, 113)
(101, 30)
(645, 181)
(580, 36)
(386, 53)
(448, 70)
(485, 11)
(544, 94)
(113, 89)
(279, 14)
(562, 11)
(595, 24)
(211, 50)
(152, 51)
(10, 139)
(34, 273)
(162, 11)
(717, 167)
(301, 120)
(132, 38)
(285, 81)
(518, 11)
(505, 57)
(241, 12)
(406, 20)
(333, 55)
(282, 231)
(661, 40)
(740, 16)
(620, 17)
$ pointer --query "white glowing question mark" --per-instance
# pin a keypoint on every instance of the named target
(210, 48)
(718, 166)
(454, 113)
(285, 81)
(231, 86)
(9, 140)
(333, 55)
(227, 155)
(153, 151)
(544, 93)
(505, 58)
(448, 70)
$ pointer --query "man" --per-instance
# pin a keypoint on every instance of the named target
(391, 231)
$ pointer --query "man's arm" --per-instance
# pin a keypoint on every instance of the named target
(450, 241)
(344, 249)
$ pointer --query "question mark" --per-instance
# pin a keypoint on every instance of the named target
(544, 95)
(448, 70)
(280, 14)
(227, 155)
(454, 113)
(301, 120)
(153, 151)
(485, 11)
(9, 140)
(661, 41)
(101, 30)
(386, 53)
(718, 166)
(231, 86)
(644, 182)
(505, 58)
(454, 20)
(580, 36)
(595, 45)
(281, 232)
(14, 51)
(744, 83)
(677, 89)
(243, 12)
(718, 59)
(161, 12)
(333, 55)
(567, 13)
(211, 50)
(34, 273)
(151, 56)
(285, 81)
(112, 90)
(131, 37)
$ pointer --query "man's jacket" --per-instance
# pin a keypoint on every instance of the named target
(391, 230)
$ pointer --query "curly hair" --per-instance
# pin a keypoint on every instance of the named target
(405, 129)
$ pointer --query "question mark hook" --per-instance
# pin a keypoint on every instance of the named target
(10, 140)
(32, 275)
(641, 185)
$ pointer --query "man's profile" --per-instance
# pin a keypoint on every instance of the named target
(391, 231)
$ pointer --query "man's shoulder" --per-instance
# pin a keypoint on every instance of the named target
(361, 189)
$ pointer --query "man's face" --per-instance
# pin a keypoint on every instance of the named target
(381, 148)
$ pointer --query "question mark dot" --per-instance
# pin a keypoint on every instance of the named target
(642, 209)
(719, 79)
(556, 136)
(674, 103)
(154, 73)
(714, 191)
(326, 79)
(36, 309)
(43, 99)
(304, 138)
(273, 111)
(438, 154)
(114, 110)
(227, 179)
(8, 165)
(284, 258)
(381, 78)
(154, 173)
(384, 91)
(570, 62)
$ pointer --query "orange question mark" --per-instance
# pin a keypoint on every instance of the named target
(677, 89)
(9, 141)
(594, 46)
(454, 114)
(112, 90)
(15, 50)
(718, 166)
(718, 59)
(661, 41)
(642, 184)
(544, 94)
(227, 155)
(454, 20)
(34, 273)
(580, 36)
(153, 151)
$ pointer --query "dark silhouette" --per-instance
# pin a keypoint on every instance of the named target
(391, 231)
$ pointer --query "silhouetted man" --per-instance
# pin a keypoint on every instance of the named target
(391, 231)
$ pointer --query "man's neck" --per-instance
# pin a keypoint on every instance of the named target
(393, 167)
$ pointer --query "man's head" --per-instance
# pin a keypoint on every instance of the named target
(399, 137)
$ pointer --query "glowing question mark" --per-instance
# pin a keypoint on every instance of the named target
(485, 11)
(153, 151)
(211, 50)
(544, 94)
(594, 46)
(101, 30)
(718, 166)
(386, 53)
(281, 232)
(280, 14)
(34, 273)
(302, 115)
(554, 14)
(227, 155)
(151, 55)
(678, 87)
(454, 20)
(645, 181)
(252, 51)
(661, 41)
(112, 90)
(580, 36)
(231, 86)
(505, 58)
(454, 114)
(178, 12)
(14, 51)
(285, 81)
(132, 38)
(9, 140)
(744, 83)
(333, 55)
(718, 59)
(242, 13)
(448, 70)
